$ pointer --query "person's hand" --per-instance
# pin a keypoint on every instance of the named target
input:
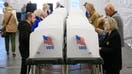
(45, 14)
(99, 48)
(97, 29)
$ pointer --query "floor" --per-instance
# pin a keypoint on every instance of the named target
(11, 65)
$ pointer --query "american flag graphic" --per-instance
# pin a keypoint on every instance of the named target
(48, 42)
(81, 42)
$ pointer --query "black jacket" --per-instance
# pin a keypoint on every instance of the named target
(111, 51)
(24, 38)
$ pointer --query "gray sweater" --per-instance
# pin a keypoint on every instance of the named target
(119, 21)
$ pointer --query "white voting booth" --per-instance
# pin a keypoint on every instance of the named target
(82, 41)
(46, 42)
(53, 27)
(77, 19)
(58, 40)
(77, 25)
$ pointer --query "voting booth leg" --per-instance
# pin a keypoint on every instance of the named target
(62, 67)
(28, 69)
(80, 67)
(97, 69)
(93, 69)
(33, 69)
(65, 69)
(38, 69)
(101, 69)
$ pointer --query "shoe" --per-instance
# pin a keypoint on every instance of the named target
(14, 54)
(7, 53)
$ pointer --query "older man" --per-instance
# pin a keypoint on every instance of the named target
(110, 11)
(93, 14)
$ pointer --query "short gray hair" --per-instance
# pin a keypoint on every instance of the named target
(29, 14)
(109, 5)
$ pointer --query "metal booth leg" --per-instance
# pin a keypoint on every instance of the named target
(65, 69)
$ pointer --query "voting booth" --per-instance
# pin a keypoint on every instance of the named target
(64, 40)
(82, 42)
(46, 42)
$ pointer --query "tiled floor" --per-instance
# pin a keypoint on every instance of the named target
(10, 65)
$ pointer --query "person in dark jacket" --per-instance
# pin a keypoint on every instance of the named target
(24, 28)
(110, 49)
(31, 7)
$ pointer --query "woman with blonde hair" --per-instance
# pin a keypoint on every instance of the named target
(100, 29)
(45, 6)
(100, 23)
(110, 49)
(46, 9)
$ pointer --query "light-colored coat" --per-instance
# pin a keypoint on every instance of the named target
(12, 24)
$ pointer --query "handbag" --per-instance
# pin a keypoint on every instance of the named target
(3, 30)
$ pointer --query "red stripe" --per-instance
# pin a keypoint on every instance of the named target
(129, 67)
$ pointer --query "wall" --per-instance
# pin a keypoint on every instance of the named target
(124, 8)
(66, 4)
(17, 4)
(99, 5)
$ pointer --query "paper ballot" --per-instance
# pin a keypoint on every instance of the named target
(81, 42)
(48, 42)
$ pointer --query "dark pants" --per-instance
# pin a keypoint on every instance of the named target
(24, 54)
(24, 51)
(10, 36)
(112, 72)
(23, 66)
